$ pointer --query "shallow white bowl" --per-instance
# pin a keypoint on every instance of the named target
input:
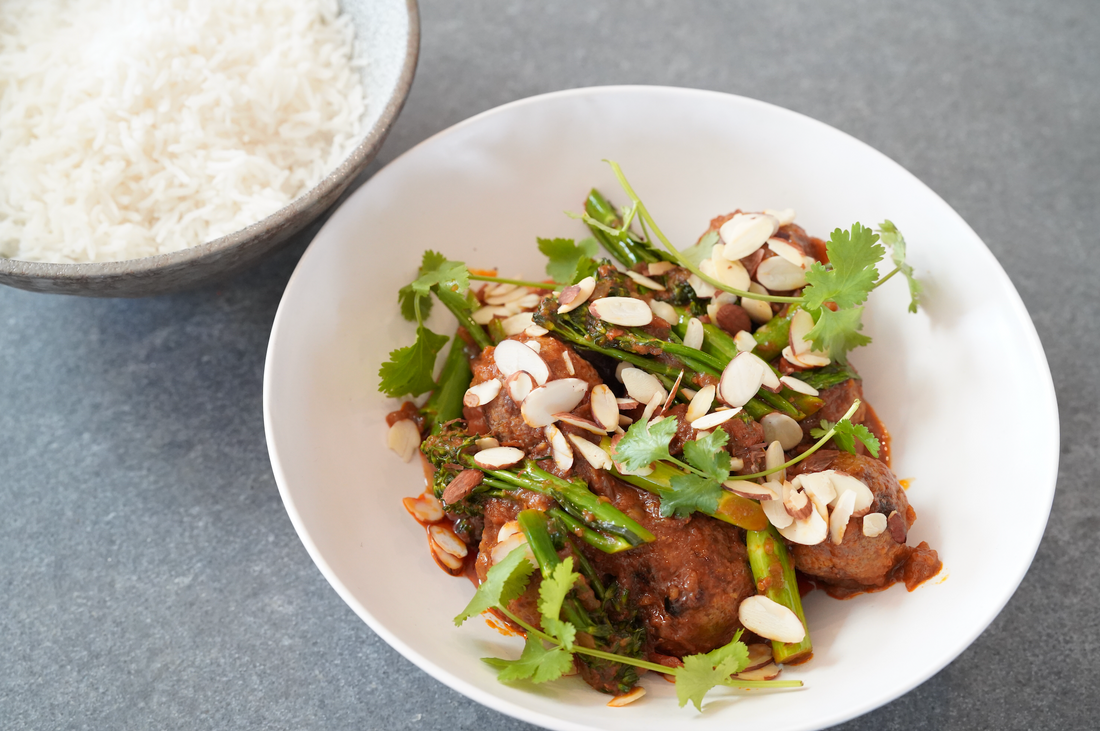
(945, 382)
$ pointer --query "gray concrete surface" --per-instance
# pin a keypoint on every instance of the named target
(149, 575)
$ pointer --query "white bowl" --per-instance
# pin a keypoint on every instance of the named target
(946, 382)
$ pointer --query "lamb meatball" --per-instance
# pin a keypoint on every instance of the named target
(859, 563)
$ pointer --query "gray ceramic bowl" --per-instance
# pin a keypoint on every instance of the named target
(388, 34)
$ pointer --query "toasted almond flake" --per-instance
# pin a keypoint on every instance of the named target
(509, 544)
(564, 394)
(726, 298)
(605, 410)
(404, 439)
(820, 489)
(486, 443)
(660, 268)
(559, 448)
(624, 420)
(511, 356)
(665, 311)
(769, 671)
(536, 331)
(496, 289)
(808, 532)
(508, 530)
(645, 281)
(512, 295)
(482, 393)
(516, 324)
(741, 379)
(731, 273)
(843, 483)
(672, 393)
(800, 386)
(801, 324)
(622, 366)
(581, 423)
(744, 233)
(627, 698)
(446, 539)
(693, 338)
(711, 420)
(777, 514)
(744, 341)
(689, 393)
(787, 251)
(759, 310)
(703, 290)
(452, 562)
(529, 302)
(519, 385)
(770, 619)
(534, 345)
(796, 502)
(592, 453)
(779, 275)
(623, 311)
(654, 404)
(806, 360)
(700, 403)
(781, 428)
(874, 524)
(760, 655)
(485, 315)
(575, 295)
(642, 386)
(425, 507)
(568, 361)
(773, 457)
(712, 311)
(838, 521)
(497, 458)
(785, 216)
(462, 486)
(627, 403)
(751, 490)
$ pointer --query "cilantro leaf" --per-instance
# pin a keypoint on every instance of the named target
(645, 443)
(838, 332)
(689, 493)
(569, 262)
(552, 592)
(504, 582)
(846, 435)
(536, 663)
(702, 672)
(435, 269)
(701, 250)
(409, 369)
(708, 455)
(893, 238)
(851, 272)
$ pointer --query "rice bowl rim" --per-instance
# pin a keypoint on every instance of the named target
(83, 277)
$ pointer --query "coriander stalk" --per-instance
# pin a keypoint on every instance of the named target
(774, 575)
(816, 446)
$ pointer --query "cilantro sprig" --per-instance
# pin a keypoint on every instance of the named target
(845, 434)
(548, 652)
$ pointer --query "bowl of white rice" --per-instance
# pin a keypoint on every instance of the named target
(150, 146)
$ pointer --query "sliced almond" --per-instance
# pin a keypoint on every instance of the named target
(801, 324)
(624, 420)
(665, 311)
(452, 562)
(496, 289)
(731, 273)
(627, 403)
(759, 310)
(672, 393)
(770, 620)
(715, 418)
(508, 530)
(700, 403)
(703, 290)
(534, 345)
(844, 483)
(744, 233)
(770, 380)
(623, 311)
(508, 297)
(509, 544)
(713, 309)
(751, 490)
(874, 524)
(896, 525)
(777, 514)
(568, 361)
(559, 448)
(785, 216)
(592, 453)
(741, 379)
(785, 249)
(642, 386)
(518, 385)
(800, 386)
(485, 315)
(446, 539)
(426, 508)
(605, 411)
(808, 532)
(838, 521)
(745, 341)
(575, 295)
(659, 268)
(404, 438)
(516, 324)
(462, 485)
(760, 655)
(486, 443)
(536, 331)
(796, 502)
(780, 275)
(773, 457)
(574, 420)
(511, 356)
(498, 458)
(806, 360)
(564, 394)
(651, 408)
(645, 281)
(693, 338)
(627, 698)
(820, 489)
(622, 366)
(482, 393)
(770, 671)
(781, 428)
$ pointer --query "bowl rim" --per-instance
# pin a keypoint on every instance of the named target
(336, 179)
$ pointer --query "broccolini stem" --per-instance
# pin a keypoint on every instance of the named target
(460, 308)
(626, 249)
(775, 578)
(445, 403)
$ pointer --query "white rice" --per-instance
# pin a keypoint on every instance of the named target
(136, 127)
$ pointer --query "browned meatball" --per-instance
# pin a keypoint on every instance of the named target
(859, 562)
(688, 584)
(838, 399)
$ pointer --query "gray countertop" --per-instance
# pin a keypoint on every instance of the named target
(152, 579)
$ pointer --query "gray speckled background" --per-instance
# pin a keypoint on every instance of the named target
(150, 576)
